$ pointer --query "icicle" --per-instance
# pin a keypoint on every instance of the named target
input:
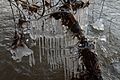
(46, 43)
(48, 50)
(39, 39)
(31, 60)
(60, 51)
(65, 71)
(50, 60)
(43, 41)
(68, 69)
(64, 60)
(37, 30)
(53, 53)
(44, 47)
(32, 32)
(73, 65)
(53, 50)
(51, 63)
(67, 57)
(56, 58)
(56, 53)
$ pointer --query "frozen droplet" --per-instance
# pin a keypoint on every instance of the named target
(104, 49)
(103, 38)
(98, 25)
(32, 35)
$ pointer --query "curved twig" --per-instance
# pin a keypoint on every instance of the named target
(51, 13)
(56, 4)
(19, 10)
(43, 7)
(101, 9)
(12, 13)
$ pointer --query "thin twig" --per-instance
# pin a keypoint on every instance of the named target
(13, 14)
(43, 7)
(101, 9)
(19, 9)
(50, 14)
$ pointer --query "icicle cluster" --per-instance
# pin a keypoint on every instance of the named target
(35, 21)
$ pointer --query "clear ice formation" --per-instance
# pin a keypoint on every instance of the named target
(19, 52)
(98, 25)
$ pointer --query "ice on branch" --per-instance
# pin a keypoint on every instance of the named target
(98, 25)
